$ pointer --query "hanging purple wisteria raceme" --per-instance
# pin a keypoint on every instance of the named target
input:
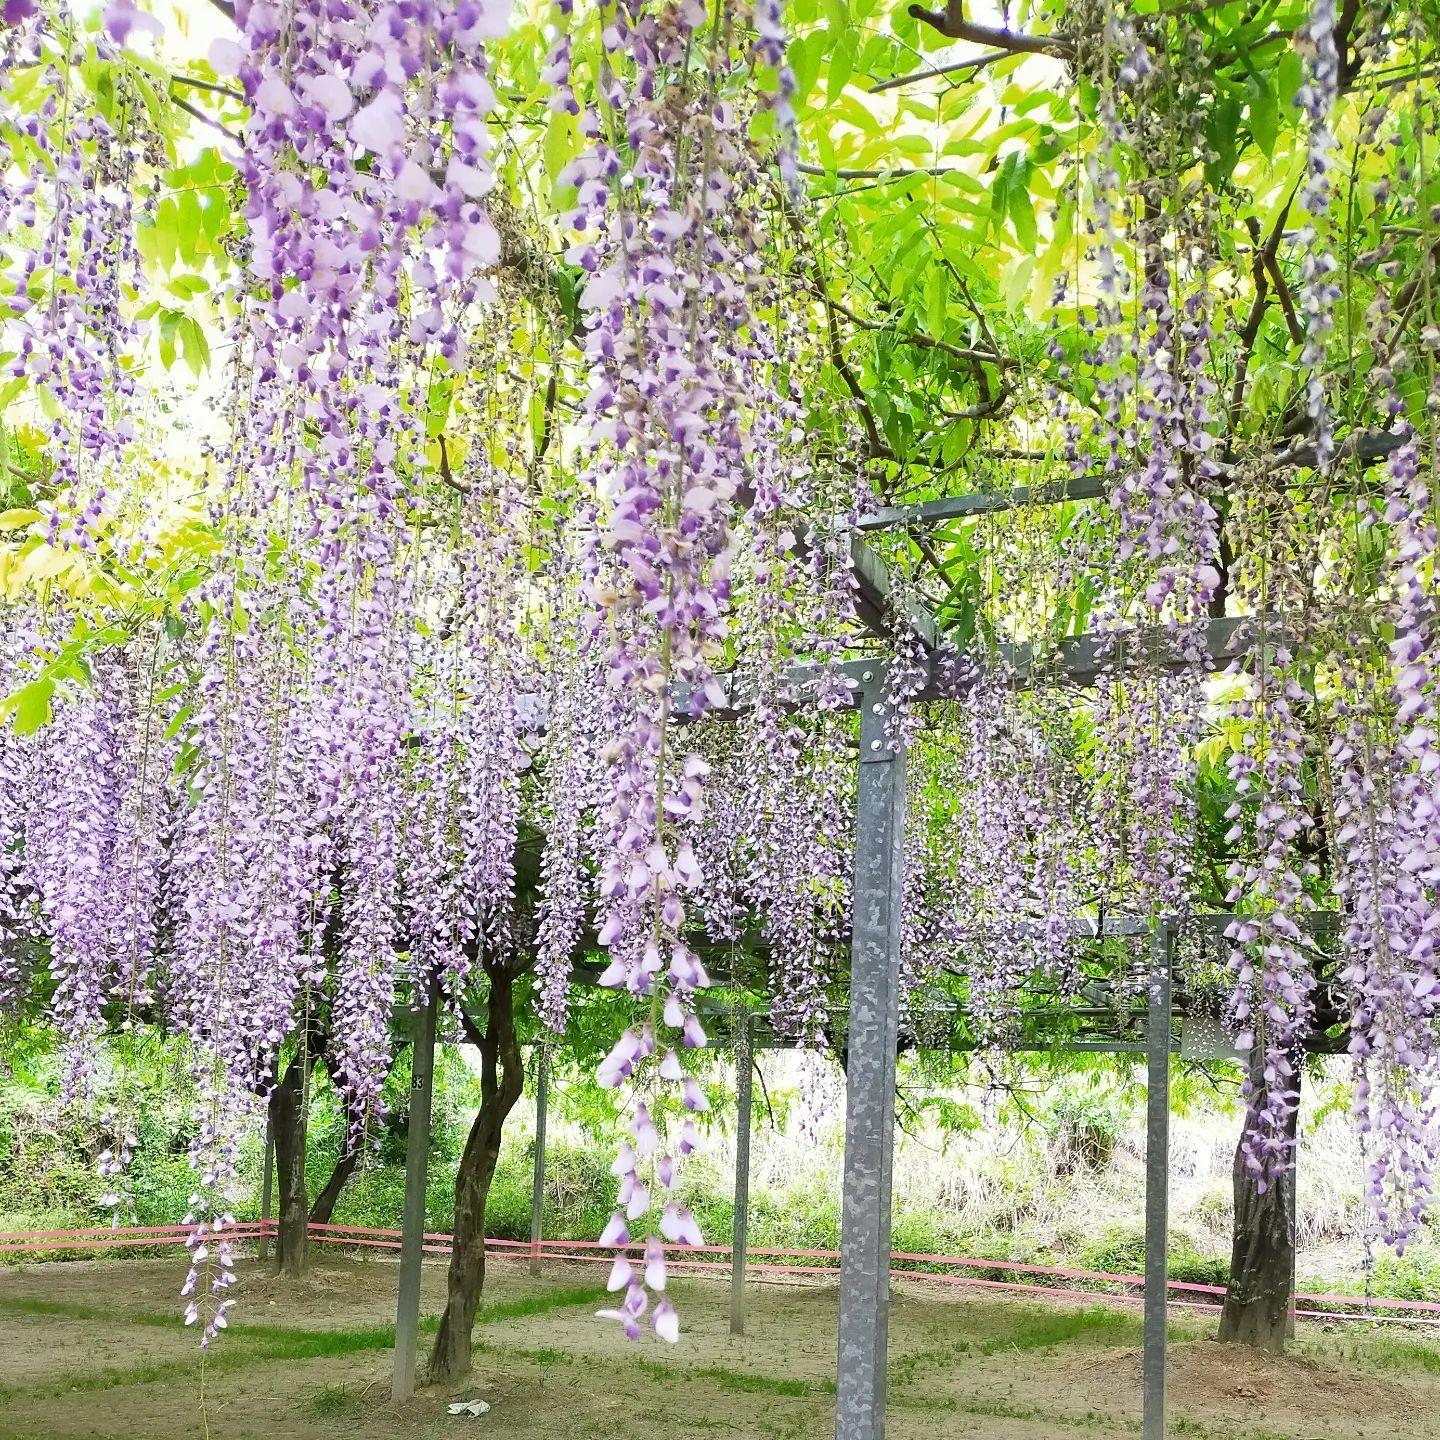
(1386, 770)
(366, 161)
(668, 255)
(1319, 290)
(1273, 1001)
(68, 256)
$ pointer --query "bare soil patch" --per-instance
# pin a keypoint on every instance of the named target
(1283, 1394)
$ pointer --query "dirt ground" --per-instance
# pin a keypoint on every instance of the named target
(88, 1351)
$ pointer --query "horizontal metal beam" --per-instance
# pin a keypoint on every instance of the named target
(957, 507)
(1369, 447)
(1076, 660)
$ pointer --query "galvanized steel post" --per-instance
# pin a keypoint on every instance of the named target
(1292, 1218)
(267, 1190)
(412, 1240)
(870, 1096)
(537, 1189)
(744, 1064)
(1157, 1182)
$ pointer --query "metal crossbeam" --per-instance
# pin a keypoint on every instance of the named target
(1075, 660)
(957, 507)
(1369, 447)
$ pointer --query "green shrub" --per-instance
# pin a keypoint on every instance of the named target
(1116, 1252)
(1083, 1134)
(1414, 1275)
(1194, 1268)
(1121, 1251)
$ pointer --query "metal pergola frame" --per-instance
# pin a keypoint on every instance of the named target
(866, 1277)
(875, 1002)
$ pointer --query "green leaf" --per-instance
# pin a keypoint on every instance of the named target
(1264, 113)
(1022, 209)
(182, 715)
(169, 324)
(842, 66)
(560, 145)
(1016, 285)
(806, 54)
(187, 287)
(30, 706)
(194, 345)
(1287, 83)
(438, 405)
(937, 285)
(1222, 136)
(188, 225)
(166, 232)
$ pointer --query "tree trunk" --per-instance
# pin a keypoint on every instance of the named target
(1262, 1257)
(288, 1122)
(502, 1078)
(324, 1206)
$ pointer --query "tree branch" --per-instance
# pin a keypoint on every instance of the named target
(1287, 303)
(925, 342)
(901, 172)
(210, 120)
(547, 428)
(445, 473)
(935, 72)
(951, 22)
(1250, 331)
(879, 450)
(226, 90)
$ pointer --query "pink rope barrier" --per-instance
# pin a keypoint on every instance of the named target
(767, 1261)
(123, 1237)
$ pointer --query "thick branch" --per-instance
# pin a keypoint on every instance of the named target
(879, 450)
(893, 172)
(1260, 271)
(445, 472)
(1287, 303)
(952, 22)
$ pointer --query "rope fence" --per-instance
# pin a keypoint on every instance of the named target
(1051, 1281)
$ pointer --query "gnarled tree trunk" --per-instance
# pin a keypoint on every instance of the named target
(288, 1125)
(502, 1079)
(324, 1206)
(1262, 1257)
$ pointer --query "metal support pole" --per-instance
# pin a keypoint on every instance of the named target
(412, 1242)
(537, 1192)
(870, 1094)
(267, 1190)
(1157, 1183)
(744, 1064)
(1292, 1220)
